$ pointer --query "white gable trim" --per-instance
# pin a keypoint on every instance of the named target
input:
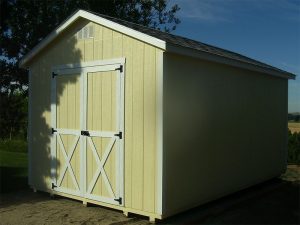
(96, 19)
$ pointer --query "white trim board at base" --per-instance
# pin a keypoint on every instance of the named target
(121, 208)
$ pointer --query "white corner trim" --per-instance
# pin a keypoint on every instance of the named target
(53, 163)
(29, 129)
(159, 130)
(96, 19)
(224, 60)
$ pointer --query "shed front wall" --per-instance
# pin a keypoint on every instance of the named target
(141, 75)
(224, 129)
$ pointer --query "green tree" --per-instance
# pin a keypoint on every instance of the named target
(24, 23)
(13, 111)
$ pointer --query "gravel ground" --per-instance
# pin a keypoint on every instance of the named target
(273, 202)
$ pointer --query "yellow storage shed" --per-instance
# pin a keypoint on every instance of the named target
(146, 122)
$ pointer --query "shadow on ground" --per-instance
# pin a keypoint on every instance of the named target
(273, 202)
(13, 179)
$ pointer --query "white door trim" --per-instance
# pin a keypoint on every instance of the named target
(89, 64)
(29, 128)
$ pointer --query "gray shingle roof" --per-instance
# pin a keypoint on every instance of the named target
(192, 44)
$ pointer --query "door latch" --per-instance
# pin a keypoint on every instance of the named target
(119, 135)
(54, 74)
(120, 68)
(53, 186)
(85, 133)
(118, 200)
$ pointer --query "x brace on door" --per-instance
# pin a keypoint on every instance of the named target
(67, 161)
(101, 164)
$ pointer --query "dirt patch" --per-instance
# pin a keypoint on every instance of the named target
(31, 208)
(273, 202)
(292, 174)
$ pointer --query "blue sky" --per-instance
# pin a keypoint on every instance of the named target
(266, 30)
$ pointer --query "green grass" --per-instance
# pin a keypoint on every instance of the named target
(13, 165)
(13, 159)
(14, 145)
(13, 170)
(13, 153)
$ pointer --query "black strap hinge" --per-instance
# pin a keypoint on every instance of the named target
(120, 135)
(53, 186)
(54, 74)
(85, 133)
(53, 130)
(119, 200)
(120, 68)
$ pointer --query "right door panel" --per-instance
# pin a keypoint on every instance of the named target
(103, 115)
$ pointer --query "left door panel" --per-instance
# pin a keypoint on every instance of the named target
(66, 165)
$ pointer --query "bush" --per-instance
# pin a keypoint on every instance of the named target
(293, 147)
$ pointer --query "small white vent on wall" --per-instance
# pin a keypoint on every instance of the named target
(86, 32)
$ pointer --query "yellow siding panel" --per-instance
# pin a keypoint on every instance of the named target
(149, 129)
(252, 150)
(138, 126)
(97, 42)
(88, 50)
(117, 45)
(107, 43)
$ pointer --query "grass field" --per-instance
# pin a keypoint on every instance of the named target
(14, 145)
(13, 159)
(294, 127)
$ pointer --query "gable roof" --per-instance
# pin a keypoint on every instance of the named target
(162, 40)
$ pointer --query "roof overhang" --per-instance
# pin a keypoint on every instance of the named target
(150, 40)
(227, 61)
(96, 19)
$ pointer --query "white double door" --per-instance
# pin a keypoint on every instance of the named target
(87, 108)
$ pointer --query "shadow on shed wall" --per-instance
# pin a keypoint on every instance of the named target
(61, 51)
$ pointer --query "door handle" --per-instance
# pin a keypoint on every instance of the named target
(85, 133)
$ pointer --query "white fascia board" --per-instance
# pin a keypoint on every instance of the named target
(96, 19)
(48, 39)
(224, 60)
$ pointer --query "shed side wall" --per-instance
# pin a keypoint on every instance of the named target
(140, 106)
(224, 129)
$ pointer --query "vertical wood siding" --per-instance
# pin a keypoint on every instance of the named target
(235, 134)
(140, 106)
